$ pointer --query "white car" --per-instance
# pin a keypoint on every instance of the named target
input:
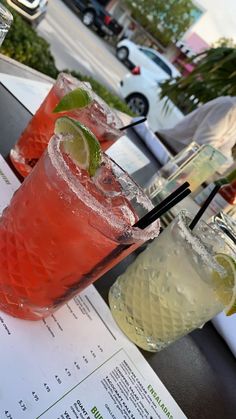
(141, 91)
(31, 10)
(152, 60)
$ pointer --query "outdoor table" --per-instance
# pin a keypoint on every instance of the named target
(199, 370)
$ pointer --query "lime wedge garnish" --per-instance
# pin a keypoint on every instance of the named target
(225, 286)
(82, 145)
(78, 98)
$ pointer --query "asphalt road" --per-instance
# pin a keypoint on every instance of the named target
(75, 47)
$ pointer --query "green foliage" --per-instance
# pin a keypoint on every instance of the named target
(214, 76)
(111, 99)
(24, 45)
(166, 20)
(224, 42)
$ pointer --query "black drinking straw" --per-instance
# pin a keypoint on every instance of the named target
(140, 121)
(230, 235)
(173, 199)
(204, 207)
(164, 206)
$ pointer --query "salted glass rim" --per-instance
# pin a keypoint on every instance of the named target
(183, 220)
(78, 189)
(70, 83)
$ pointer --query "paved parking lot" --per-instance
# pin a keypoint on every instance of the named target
(75, 47)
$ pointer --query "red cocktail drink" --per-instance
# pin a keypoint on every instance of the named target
(60, 227)
(97, 116)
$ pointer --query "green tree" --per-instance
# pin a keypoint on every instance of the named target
(214, 76)
(224, 42)
(166, 20)
(23, 44)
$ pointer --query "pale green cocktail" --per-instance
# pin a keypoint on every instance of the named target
(172, 287)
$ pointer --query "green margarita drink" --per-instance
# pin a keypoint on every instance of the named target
(183, 279)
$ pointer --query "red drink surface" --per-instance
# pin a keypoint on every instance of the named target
(228, 192)
(40, 129)
(50, 238)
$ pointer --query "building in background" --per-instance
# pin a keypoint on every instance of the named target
(217, 21)
(177, 52)
(183, 50)
(211, 21)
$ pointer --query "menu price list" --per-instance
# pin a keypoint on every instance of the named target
(75, 363)
(119, 394)
(41, 360)
(8, 184)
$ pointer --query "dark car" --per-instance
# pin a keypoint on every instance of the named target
(94, 14)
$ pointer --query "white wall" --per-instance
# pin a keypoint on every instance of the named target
(218, 21)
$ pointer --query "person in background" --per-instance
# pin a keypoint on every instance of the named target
(212, 123)
(129, 31)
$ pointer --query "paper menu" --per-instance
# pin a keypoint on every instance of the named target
(30, 93)
(76, 363)
(8, 184)
(128, 155)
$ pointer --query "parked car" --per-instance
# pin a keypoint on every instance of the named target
(141, 91)
(137, 55)
(94, 14)
(31, 10)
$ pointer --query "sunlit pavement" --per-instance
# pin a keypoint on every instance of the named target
(75, 47)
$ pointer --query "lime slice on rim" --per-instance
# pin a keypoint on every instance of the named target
(83, 147)
(78, 98)
(226, 286)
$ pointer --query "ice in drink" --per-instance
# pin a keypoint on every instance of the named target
(59, 228)
(170, 289)
(97, 116)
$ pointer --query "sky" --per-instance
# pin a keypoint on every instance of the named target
(219, 20)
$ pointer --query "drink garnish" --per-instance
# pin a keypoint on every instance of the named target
(226, 285)
(77, 98)
(82, 145)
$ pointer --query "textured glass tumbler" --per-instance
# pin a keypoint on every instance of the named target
(63, 229)
(170, 290)
(6, 20)
(97, 116)
(177, 161)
